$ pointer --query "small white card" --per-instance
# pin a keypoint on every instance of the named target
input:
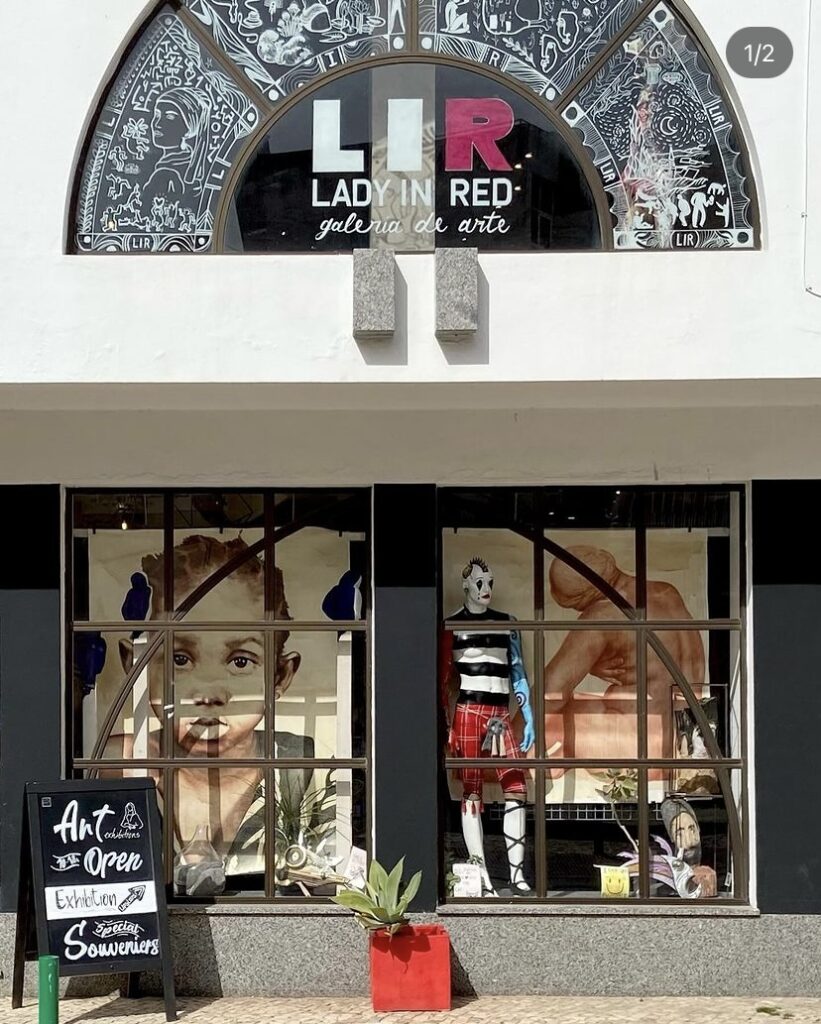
(357, 868)
(468, 880)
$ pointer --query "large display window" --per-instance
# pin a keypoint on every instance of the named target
(592, 694)
(220, 645)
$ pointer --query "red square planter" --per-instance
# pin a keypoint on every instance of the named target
(411, 970)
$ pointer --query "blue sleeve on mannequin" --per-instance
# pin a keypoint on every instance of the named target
(521, 688)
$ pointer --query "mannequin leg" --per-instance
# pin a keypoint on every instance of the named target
(515, 838)
(475, 839)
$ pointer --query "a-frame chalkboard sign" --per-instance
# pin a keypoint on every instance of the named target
(91, 882)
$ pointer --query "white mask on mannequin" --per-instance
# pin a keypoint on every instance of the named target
(478, 587)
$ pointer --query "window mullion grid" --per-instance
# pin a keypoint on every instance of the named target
(279, 762)
(537, 697)
(540, 830)
(669, 764)
(168, 824)
(369, 698)
(71, 733)
(168, 614)
(269, 676)
(603, 625)
(641, 703)
(741, 859)
(539, 816)
(644, 835)
(168, 701)
(738, 542)
(412, 26)
(282, 626)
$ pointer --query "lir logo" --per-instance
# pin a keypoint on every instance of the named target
(473, 126)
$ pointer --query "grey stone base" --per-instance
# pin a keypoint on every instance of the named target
(325, 953)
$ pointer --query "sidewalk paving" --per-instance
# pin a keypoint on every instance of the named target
(485, 1010)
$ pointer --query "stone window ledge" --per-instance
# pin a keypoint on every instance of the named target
(595, 910)
(240, 909)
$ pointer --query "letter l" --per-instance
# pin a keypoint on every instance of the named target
(329, 157)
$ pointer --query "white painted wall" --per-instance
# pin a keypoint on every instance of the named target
(813, 251)
(678, 316)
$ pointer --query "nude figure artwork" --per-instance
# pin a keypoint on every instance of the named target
(605, 726)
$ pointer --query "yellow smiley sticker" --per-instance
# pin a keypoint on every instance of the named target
(615, 881)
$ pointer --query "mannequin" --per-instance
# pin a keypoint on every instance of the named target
(489, 666)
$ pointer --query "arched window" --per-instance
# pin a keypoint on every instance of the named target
(190, 148)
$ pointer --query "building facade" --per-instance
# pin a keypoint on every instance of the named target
(410, 410)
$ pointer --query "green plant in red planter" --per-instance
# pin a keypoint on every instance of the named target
(380, 907)
(410, 964)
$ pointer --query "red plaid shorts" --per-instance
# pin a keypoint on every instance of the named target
(469, 730)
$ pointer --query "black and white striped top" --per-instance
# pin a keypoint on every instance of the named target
(483, 660)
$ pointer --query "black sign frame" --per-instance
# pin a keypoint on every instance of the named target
(32, 932)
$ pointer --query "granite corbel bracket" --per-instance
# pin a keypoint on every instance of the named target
(457, 294)
(374, 294)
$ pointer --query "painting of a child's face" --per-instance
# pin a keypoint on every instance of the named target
(219, 676)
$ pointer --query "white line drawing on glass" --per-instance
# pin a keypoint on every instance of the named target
(354, 16)
(546, 44)
(170, 126)
(180, 128)
(663, 142)
(268, 39)
(396, 17)
(701, 201)
(233, 45)
(456, 19)
(135, 134)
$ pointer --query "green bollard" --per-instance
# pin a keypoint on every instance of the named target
(48, 993)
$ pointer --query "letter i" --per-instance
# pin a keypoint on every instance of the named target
(405, 135)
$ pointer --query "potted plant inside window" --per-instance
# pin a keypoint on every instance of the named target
(410, 964)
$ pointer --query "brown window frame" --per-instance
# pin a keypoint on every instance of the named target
(635, 621)
(171, 620)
